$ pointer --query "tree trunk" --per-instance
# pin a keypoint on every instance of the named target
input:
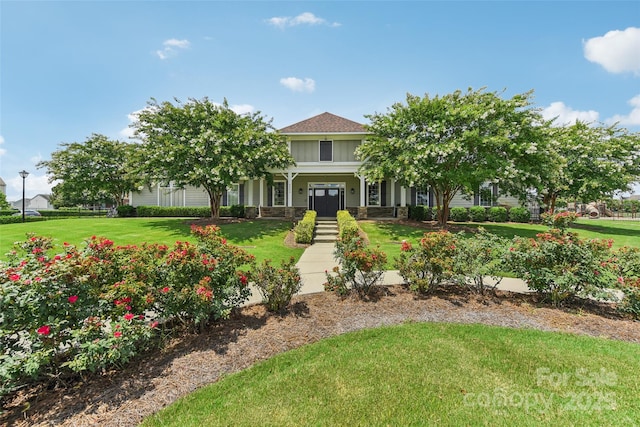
(214, 203)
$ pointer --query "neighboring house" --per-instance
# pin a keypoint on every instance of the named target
(3, 186)
(324, 179)
(38, 202)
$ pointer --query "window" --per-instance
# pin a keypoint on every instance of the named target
(326, 151)
(422, 196)
(486, 197)
(233, 195)
(373, 194)
(279, 195)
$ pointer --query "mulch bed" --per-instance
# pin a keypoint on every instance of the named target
(252, 334)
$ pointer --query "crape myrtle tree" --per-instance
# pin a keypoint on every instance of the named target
(98, 169)
(204, 144)
(594, 162)
(454, 143)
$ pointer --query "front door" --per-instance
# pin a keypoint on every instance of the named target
(326, 201)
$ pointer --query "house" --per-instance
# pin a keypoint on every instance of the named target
(3, 186)
(324, 178)
(38, 202)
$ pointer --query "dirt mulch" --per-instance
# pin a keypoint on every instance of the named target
(252, 334)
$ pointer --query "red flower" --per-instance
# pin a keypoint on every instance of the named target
(117, 334)
(73, 299)
(44, 330)
(165, 290)
(14, 277)
(128, 316)
(243, 279)
(153, 324)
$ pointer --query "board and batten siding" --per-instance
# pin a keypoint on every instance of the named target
(306, 151)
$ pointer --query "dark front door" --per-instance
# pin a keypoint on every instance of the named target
(326, 201)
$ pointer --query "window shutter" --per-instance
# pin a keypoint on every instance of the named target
(224, 198)
(383, 193)
(241, 195)
(413, 197)
(270, 196)
(431, 197)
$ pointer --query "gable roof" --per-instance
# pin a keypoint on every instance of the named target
(325, 123)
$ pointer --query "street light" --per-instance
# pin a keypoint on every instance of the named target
(24, 174)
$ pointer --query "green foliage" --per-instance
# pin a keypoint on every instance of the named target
(561, 265)
(419, 143)
(560, 221)
(347, 225)
(207, 145)
(478, 257)
(361, 268)
(497, 214)
(421, 213)
(236, 211)
(90, 309)
(4, 205)
(18, 219)
(94, 171)
(478, 213)
(303, 230)
(126, 211)
(459, 214)
(589, 163)
(276, 285)
(431, 263)
(519, 214)
(628, 263)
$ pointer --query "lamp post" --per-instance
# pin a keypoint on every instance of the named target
(24, 174)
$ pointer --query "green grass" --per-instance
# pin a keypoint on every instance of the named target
(427, 374)
(262, 238)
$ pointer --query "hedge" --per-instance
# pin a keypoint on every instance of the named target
(478, 213)
(519, 214)
(347, 224)
(498, 214)
(459, 214)
(421, 213)
(303, 230)
(236, 211)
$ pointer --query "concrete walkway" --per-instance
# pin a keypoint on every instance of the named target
(318, 258)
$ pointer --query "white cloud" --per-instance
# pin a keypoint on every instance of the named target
(306, 18)
(298, 85)
(617, 51)
(567, 115)
(242, 108)
(171, 47)
(2, 150)
(631, 119)
(33, 185)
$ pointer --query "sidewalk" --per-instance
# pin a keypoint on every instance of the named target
(318, 258)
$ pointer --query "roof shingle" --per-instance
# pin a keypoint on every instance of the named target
(325, 123)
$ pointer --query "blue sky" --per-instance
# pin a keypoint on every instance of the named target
(72, 68)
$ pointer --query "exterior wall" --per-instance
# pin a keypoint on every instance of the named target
(306, 148)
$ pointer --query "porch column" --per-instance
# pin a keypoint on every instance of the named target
(393, 192)
(249, 192)
(158, 190)
(363, 188)
(403, 196)
(261, 201)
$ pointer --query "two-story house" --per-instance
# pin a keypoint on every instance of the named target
(324, 179)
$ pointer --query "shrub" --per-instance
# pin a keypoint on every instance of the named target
(628, 264)
(459, 214)
(560, 221)
(420, 213)
(277, 285)
(89, 309)
(303, 231)
(18, 218)
(478, 213)
(478, 257)
(519, 214)
(430, 263)
(188, 211)
(361, 268)
(126, 211)
(497, 214)
(561, 266)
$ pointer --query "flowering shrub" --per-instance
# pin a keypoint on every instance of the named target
(430, 263)
(628, 263)
(87, 309)
(277, 285)
(561, 265)
(361, 268)
(478, 257)
(560, 221)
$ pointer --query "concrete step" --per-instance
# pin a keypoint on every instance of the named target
(325, 238)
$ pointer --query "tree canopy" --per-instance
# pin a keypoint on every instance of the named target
(201, 143)
(592, 162)
(96, 170)
(454, 143)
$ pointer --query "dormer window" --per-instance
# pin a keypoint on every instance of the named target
(326, 151)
